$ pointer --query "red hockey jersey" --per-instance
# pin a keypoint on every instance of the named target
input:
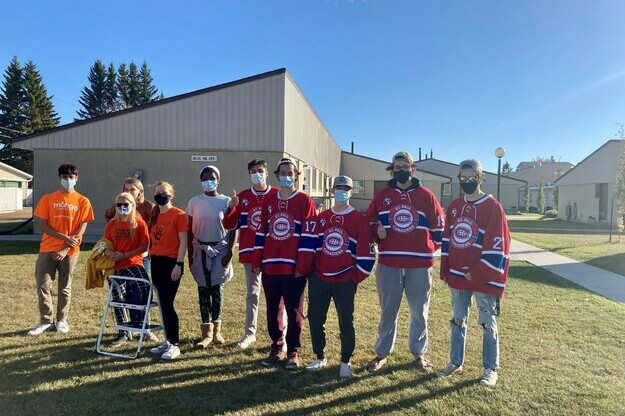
(476, 240)
(278, 236)
(338, 246)
(247, 220)
(413, 220)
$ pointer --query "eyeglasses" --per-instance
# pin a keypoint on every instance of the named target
(465, 179)
(123, 205)
(403, 167)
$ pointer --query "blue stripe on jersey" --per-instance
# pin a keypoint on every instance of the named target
(246, 250)
(423, 221)
(365, 263)
(242, 220)
(480, 239)
(338, 274)
(445, 246)
(383, 218)
(259, 240)
(308, 242)
(437, 236)
(298, 228)
(495, 260)
(279, 261)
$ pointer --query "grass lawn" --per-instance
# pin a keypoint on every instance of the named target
(562, 353)
(576, 242)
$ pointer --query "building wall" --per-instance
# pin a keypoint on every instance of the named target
(583, 203)
(245, 116)
(102, 173)
(305, 136)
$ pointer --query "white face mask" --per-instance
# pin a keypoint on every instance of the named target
(257, 178)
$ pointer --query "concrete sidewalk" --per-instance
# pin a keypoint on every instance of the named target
(603, 282)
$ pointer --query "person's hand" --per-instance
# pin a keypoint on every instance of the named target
(60, 255)
(176, 273)
(298, 275)
(381, 231)
(234, 200)
(467, 275)
(118, 256)
(225, 260)
(72, 240)
(256, 270)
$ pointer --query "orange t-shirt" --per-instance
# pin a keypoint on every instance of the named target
(65, 213)
(164, 239)
(119, 233)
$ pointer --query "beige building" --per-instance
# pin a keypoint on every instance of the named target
(585, 193)
(14, 192)
(510, 187)
(370, 176)
(534, 173)
(265, 116)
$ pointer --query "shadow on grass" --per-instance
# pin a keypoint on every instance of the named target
(614, 263)
(8, 248)
(65, 370)
(533, 274)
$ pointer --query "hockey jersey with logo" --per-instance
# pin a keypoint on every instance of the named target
(247, 219)
(339, 247)
(476, 240)
(278, 236)
(413, 220)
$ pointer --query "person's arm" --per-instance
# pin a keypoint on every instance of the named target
(437, 222)
(176, 273)
(365, 251)
(69, 240)
(232, 237)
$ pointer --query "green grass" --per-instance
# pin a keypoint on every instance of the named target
(537, 222)
(562, 352)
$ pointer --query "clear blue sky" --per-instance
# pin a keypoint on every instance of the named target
(540, 78)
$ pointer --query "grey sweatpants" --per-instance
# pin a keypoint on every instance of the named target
(391, 283)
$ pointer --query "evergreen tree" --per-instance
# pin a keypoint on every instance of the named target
(134, 85)
(506, 168)
(148, 92)
(556, 191)
(12, 103)
(39, 109)
(93, 98)
(540, 199)
(526, 198)
(112, 93)
(123, 86)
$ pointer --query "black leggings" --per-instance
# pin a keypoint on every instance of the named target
(161, 269)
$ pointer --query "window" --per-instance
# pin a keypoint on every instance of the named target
(446, 189)
(359, 187)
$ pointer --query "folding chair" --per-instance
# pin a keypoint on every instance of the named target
(142, 328)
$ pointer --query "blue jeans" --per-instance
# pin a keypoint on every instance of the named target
(461, 302)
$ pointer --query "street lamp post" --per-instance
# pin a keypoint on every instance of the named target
(499, 152)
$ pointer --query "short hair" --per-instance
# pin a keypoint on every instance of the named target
(68, 169)
(255, 162)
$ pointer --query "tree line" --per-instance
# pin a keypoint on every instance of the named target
(26, 107)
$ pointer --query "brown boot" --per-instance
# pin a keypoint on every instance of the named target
(207, 336)
(219, 340)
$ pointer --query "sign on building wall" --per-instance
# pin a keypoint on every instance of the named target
(203, 158)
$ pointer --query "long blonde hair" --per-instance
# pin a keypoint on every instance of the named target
(137, 184)
(132, 215)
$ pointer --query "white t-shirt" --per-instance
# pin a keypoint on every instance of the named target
(207, 213)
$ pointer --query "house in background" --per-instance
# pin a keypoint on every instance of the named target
(370, 176)
(265, 116)
(14, 192)
(534, 173)
(586, 192)
(510, 187)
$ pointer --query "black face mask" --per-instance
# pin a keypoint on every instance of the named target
(401, 176)
(161, 199)
(469, 187)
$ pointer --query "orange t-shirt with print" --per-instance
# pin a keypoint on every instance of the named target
(121, 237)
(65, 213)
(164, 240)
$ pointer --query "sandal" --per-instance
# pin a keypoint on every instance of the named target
(423, 365)
(376, 364)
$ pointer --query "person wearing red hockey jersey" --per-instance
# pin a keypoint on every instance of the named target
(247, 220)
(283, 216)
(407, 223)
(474, 263)
(340, 251)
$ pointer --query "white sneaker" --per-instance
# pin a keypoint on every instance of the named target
(39, 329)
(317, 365)
(171, 353)
(246, 342)
(449, 370)
(489, 378)
(161, 348)
(62, 327)
(346, 370)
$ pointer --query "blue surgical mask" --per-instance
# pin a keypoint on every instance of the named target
(257, 178)
(210, 185)
(341, 196)
(286, 181)
(68, 184)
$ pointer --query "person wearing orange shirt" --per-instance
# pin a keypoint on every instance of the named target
(63, 216)
(168, 246)
(129, 235)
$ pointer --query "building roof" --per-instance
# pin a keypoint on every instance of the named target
(15, 171)
(534, 172)
(451, 170)
(581, 165)
(387, 162)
